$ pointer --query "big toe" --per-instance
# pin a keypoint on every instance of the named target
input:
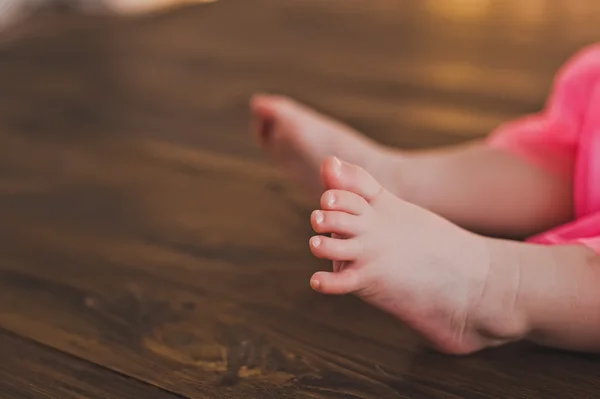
(340, 175)
(263, 104)
(276, 106)
(271, 111)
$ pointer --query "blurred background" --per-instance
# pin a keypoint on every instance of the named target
(407, 72)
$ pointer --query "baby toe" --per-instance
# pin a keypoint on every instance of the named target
(340, 175)
(335, 248)
(337, 222)
(341, 200)
(344, 282)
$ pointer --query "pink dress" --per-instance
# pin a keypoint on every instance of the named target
(565, 139)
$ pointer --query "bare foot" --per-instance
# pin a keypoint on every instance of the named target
(148, 6)
(439, 279)
(299, 139)
(13, 12)
(134, 7)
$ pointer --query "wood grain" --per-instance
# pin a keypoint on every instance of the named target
(154, 289)
(32, 371)
(143, 231)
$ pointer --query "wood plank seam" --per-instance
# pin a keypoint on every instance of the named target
(83, 360)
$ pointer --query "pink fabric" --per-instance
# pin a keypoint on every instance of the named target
(564, 138)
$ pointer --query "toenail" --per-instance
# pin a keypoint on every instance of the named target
(316, 241)
(315, 284)
(337, 166)
(319, 217)
(331, 200)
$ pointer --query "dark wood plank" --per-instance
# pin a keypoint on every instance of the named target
(93, 306)
(201, 295)
(32, 371)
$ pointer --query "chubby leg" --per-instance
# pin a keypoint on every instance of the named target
(480, 188)
(487, 190)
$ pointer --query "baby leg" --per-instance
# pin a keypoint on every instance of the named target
(480, 188)
(487, 190)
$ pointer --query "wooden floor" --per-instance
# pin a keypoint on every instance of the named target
(149, 251)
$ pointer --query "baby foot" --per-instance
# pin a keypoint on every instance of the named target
(407, 261)
(127, 7)
(12, 12)
(299, 139)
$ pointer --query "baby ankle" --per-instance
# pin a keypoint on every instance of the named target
(502, 316)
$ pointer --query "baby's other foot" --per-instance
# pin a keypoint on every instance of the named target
(408, 261)
(299, 139)
(13, 12)
(146, 6)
